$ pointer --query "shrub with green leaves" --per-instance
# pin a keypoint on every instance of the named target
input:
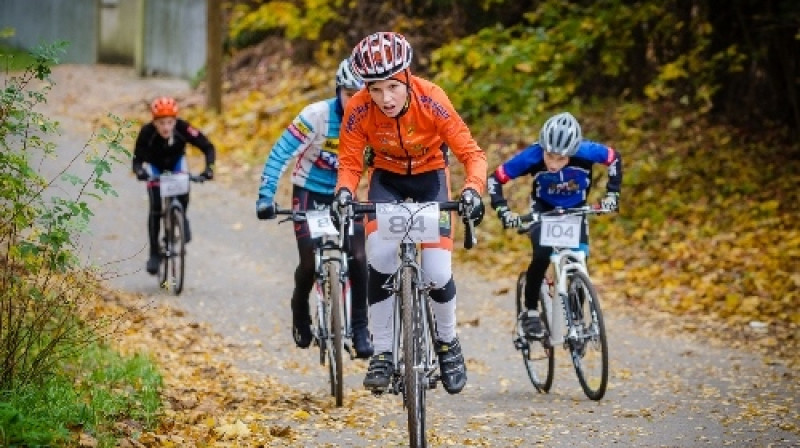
(42, 285)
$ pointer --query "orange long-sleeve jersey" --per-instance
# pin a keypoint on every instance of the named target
(408, 144)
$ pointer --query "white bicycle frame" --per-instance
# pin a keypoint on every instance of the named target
(563, 261)
(329, 250)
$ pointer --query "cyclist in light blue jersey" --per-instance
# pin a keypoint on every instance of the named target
(312, 138)
(560, 163)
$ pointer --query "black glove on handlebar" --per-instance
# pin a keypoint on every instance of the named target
(141, 174)
(343, 198)
(471, 201)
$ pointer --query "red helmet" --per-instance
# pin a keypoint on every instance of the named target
(164, 106)
(381, 55)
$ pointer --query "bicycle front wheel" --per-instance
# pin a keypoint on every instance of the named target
(538, 356)
(415, 380)
(334, 297)
(175, 252)
(589, 348)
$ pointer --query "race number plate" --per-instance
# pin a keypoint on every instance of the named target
(320, 223)
(561, 231)
(408, 221)
(173, 184)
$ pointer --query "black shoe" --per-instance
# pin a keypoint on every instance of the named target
(187, 232)
(532, 324)
(152, 264)
(379, 373)
(301, 331)
(451, 364)
(362, 343)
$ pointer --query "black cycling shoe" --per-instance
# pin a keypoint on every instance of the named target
(362, 343)
(532, 325)
(301, 331)
(152, 264)
(451, 364)
(379, 373)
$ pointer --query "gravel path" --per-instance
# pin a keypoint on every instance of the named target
(665, 390)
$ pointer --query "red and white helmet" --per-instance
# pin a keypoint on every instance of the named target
(381, 55)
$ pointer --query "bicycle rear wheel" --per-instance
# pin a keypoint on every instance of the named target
(333, 293)
(590, 349)
(415, 380)
(538, 356)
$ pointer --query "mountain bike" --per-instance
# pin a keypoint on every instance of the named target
(569, 307)
(413, 356)
(173, 243)
(331, 320)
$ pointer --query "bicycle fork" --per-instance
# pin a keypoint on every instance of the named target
(429, 364)
(323, 333)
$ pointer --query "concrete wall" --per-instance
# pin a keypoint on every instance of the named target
(157, 37)
(46, 21)
(120, 29)
(174, 37)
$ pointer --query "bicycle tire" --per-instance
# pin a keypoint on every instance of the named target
(176, 252)
(538, 356)
(333, 300)
(590, 351)
(415, 380)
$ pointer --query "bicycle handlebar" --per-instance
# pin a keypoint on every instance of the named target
(198, 178)
(360, 208)
(527, 220)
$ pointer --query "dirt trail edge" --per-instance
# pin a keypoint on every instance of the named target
(665, 390)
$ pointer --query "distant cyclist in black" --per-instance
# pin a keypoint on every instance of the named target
(161, 146)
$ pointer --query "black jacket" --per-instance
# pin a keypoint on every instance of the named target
(155, 150)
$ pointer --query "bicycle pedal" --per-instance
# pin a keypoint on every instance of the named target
(350, 351)
(520, 344)
(377, 391)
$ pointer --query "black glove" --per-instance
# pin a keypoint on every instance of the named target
(343, 198)
(265, 208)
(141, 174)
(471, 202)
(509, 219)
(611, 201)
(209, 172)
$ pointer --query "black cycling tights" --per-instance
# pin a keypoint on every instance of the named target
(154, 217)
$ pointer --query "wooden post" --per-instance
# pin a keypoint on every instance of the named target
(214, 55)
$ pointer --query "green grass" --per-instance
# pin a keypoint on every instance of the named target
(89, 395)
(14, 59)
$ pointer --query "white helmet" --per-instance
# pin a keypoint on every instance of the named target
(346, 78)
(561, 134)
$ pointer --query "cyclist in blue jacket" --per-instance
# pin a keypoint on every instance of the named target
(561, 165)
(313, 138)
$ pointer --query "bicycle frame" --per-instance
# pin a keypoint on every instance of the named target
(171, 186)
(329, 250)
(333, 307)
(409, 263)
(413, 357)
(564, 261)
(579, 326)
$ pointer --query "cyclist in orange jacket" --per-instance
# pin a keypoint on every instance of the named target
(402, 128)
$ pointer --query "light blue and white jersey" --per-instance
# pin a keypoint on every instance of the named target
(313, 138)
